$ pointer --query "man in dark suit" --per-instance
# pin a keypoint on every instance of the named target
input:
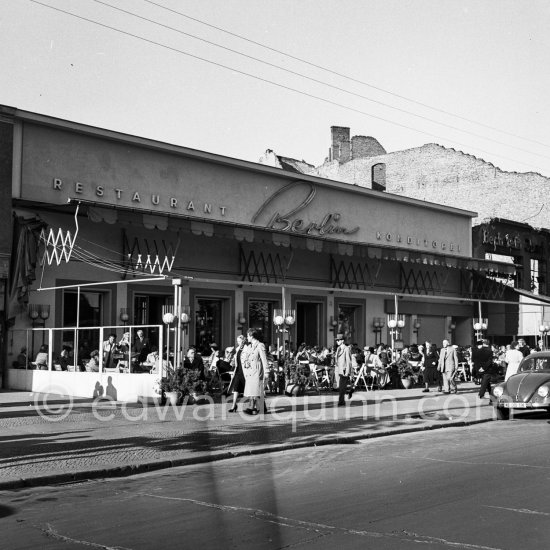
(141, 347)
(482, 358)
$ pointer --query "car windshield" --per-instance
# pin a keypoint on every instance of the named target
(535, 363)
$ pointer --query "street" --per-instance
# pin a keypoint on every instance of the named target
(477, 487)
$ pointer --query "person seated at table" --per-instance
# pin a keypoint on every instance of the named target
(93, 364)
(194, 361)
(64, 357)
(21, 361)
(152, 362)
(224, 365)
(41, 361)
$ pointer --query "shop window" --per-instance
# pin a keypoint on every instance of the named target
(90, 313)
(260, 315)
(347, 322)
(208, 324)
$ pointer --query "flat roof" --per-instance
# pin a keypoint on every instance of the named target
(26, 116)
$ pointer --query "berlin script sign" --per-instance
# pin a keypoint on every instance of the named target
(292, 223)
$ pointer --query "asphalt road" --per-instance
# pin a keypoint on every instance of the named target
(479, 487)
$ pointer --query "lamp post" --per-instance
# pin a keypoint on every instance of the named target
(395, 323)
(283, 319)
(480, 324)
(167, 318)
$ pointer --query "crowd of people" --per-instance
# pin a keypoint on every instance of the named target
(249, 367)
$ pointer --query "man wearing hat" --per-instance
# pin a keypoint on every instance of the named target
(342, 367)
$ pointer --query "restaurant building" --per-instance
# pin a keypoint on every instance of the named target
(110, 231)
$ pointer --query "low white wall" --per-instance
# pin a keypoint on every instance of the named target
(118, 386)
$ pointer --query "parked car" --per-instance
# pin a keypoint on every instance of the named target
(528, 389)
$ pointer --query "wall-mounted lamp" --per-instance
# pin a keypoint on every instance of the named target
(38, 312)
(416, 325)
(241, 321)
(378, 324)
(452, 326)
(333, 323)
(124, 315)
(185, 317)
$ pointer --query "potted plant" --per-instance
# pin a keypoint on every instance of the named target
(170, 386)
(405, 372)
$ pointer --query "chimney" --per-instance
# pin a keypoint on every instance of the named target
(340, 148)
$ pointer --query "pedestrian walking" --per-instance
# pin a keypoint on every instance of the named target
(238, 381)
(512, 359)
(482, 358)
(447, 366)
(431, 374)
(255, 368)
(342, 368)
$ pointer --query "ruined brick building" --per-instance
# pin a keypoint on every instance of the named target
(433, 173)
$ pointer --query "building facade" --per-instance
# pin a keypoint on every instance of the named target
(110, 230)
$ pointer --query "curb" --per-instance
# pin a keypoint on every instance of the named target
(130, 470)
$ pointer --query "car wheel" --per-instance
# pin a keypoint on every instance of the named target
(501, 413)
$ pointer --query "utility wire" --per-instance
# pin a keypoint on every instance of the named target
(362, 82)
(288, 88)
(301, 75)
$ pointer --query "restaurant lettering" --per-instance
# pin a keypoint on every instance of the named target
(135, 197)
(328, 224)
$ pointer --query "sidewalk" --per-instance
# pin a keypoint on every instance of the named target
(53, 439)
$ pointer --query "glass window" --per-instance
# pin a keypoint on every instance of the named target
(208, 324)
(90, 314)
(260, 315)
(347, 322)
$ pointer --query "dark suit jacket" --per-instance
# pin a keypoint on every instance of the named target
(141, 347)
(483, 358)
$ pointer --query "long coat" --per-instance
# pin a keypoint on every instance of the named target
(254, 367)
(448, 360)
(342, 361)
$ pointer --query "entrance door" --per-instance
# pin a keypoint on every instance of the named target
(308, 323)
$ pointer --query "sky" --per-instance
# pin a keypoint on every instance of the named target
(468, 74)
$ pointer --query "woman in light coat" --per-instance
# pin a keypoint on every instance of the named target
(254, 366)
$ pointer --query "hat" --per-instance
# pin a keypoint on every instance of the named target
(340, 336)
(94, 353)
